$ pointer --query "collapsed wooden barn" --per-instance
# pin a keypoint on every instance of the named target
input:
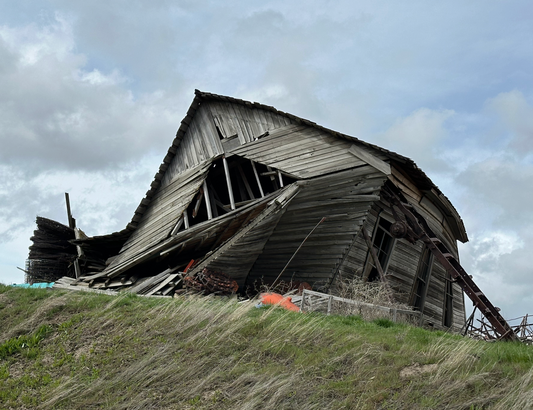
(254, 192)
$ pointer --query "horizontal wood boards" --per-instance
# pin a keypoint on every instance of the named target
(301, 151)
(318, 258)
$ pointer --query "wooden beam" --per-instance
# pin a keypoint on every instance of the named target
(186, 219)
(257, 179)
(370, 159)
(245, 180)
(207, 201)
(376, 262)
(71, 220)
(198, 203)
(177, 226)
(228, 182)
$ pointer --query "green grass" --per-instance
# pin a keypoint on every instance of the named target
(76, 351)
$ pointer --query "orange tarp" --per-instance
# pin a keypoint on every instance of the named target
(277, 299)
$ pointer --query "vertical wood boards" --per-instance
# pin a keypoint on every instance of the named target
(247, 121)
(344, 198)
(199, 144)
(403, 268)
(402, 271)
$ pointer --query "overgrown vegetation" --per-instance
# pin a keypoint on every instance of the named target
(78, 351)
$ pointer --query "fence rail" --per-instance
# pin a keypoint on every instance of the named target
(317, 301)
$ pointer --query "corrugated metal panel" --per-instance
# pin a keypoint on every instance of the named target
(345, 198)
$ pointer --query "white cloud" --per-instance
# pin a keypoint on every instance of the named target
(419, 136)
(515, 115)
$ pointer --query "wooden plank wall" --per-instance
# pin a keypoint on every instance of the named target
(435, 299)
(436, 220)
(247, 121)
(403, 268)
(301, 151)
(162, 213)
(355, 256)
(199, 144)
(345, 198)
(240, 257)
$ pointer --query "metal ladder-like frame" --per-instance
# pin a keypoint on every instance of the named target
(417, 228)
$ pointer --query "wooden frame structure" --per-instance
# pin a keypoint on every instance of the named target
(242, 186)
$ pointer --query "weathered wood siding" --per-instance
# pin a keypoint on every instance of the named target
(403, 268)
(344, 199)
(353, 261)
(301, 151)
(237, 260)
(423, 203)
(161, 214)
(199, 144)
(246, 121)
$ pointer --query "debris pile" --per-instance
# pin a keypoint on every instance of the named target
(51, 254)
(208, 281)
(166, 283)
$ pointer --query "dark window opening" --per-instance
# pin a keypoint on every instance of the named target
(448, 302)
(422, 279)
(220, 135)
(249, 181)
(383, 242)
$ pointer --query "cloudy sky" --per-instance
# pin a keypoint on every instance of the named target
(91, 94)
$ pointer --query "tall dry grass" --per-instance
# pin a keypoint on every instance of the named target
(130, 352)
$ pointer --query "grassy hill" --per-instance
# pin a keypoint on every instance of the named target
(86, 351)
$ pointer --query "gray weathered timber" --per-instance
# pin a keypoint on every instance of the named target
(318, 256)
(199, 144)
(236, 256)
(304, 153)
(164, 211)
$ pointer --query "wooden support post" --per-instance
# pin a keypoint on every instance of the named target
(72, 224)
(228, 182)
(207, 202)
(376, 261)
(186, 219)
(373, 254)
(257, 179)
(273, 178)
(213, 201)
(177, 226)
(71, 220)
(280, 179)
(245, 180)
(198, 203)
(330, 300)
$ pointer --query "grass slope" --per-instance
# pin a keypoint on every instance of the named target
(85, 351)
